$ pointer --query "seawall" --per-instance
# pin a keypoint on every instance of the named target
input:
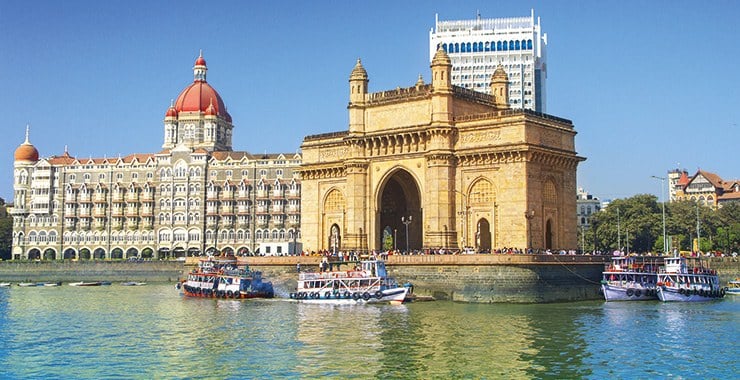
(99, 270)
(484, 278)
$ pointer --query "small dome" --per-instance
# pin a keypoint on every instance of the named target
(500, 73)
(441, 57)
(358, 72)
(200, 61)
(171, 112)
(211, 110)
(26, 151)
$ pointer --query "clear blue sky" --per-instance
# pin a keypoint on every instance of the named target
(648, 84)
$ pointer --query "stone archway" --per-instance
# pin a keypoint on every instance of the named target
(483, 236)
(335, 238)
(116, 253)
(50, 254)
(132, 252)
(99, 253)
(34, 254)
(85, 254)
(399, 209)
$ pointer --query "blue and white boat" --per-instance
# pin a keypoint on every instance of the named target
(677, 282)
(364, 282)
(625, 279)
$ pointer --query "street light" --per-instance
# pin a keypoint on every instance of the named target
(395, 239)
(406, 220)
(529, 215)
(662, 192)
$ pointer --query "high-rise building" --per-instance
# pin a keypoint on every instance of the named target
(196, 196)
(476, 48)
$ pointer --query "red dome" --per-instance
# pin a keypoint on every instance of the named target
(197, 97)
(200, 61)
(171, 112)
(26, 152)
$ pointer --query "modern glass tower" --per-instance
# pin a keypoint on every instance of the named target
(476, 47)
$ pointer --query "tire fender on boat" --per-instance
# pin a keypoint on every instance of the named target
(638, 292)
(347, 294)
(630, 292)
(327, 294)
(355, 296)
(229, 293)
(681, 290)
(366, 296)
(378, 294)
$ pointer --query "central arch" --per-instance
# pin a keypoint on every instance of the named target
(399, 210)
(483, 236)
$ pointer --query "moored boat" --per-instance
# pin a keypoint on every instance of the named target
(5, 284)
(366, 282)
(733, 287)
(51, 284)
(626, 279)
(30, 284)
(224, 277)
(677, 282)
(133, 283)
(87, 283)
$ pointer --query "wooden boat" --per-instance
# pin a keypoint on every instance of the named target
(365, 282)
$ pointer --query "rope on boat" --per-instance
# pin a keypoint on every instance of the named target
(576, 274)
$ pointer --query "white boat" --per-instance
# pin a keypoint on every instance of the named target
(626, 279)
(733, 287)
(84, 283)
(365, 282)
(677, 282)
(223, 277)
(51, 284)
(30, 284)
(4, 284)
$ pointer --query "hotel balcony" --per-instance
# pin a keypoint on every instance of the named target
(243, 195)
(212, 195)
(262, 194)
(147, 196)
(293, 194)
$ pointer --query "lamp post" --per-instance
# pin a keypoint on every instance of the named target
(662, 199)
(529, 215)
(619, 234)
(464, 213)
(406, 220)
(395, 239)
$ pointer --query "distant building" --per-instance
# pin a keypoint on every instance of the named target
(477, 47)
(703, 187)
(586, 206)
(196, 196)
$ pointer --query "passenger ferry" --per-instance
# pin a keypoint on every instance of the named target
(223, 277)
(677, 282)
(366, 282)
(625, 279)
(733, 287)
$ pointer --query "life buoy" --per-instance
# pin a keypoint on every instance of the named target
(327, 294)
(366, 296)
(630, 292)
(378, 294)
(638, 292)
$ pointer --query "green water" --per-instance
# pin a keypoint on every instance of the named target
(153, 332)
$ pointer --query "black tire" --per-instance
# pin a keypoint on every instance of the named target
(347, 294)
(366, 296)
(327, 294)
(681, 290)
(630, 292)
(291, 295)
(722, 292)
(638, 292)
(378, 294)
(229, 293)
(355, 296)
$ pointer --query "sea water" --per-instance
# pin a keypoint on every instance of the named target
(152, 332)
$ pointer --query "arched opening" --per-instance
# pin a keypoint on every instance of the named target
(178, 252)
(69, 254)
(163, 253)
(50, 254)
(483, 236)
(548, 234)
(400, 210)
(335, 238)
(99, 253)
(228, 251)
(389, 241)
(85, 254)
(116, 253)
(193, 252)
(34, 254)
(147, 253)
(132, 252)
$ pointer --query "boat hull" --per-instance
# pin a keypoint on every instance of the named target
(622, 293)
(208, 293)
(669, 294)
(392, 296)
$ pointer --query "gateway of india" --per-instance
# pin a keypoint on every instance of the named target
(433, 166)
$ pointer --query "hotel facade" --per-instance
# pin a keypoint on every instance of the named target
(196, 196)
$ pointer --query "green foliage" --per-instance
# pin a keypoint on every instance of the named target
(639, 225)
(6, 237)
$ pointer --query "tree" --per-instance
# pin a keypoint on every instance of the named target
(6, 237)
(634, 221)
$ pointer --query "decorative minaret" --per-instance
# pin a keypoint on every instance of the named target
(170, 126)
(441, 88)
(500, 88)
(25, 156)
(357, 94)
(199, 70)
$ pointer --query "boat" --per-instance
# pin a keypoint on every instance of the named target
(87, 283)
(733, 287)
(224, 277)
(4, 284)
(133, 283)
(677, 282)
(51, 284)
(366, 281)
(30, 284)
(626, 279)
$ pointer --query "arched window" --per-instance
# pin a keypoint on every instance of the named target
(529, 44)
(517, 46)
(498, 46)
